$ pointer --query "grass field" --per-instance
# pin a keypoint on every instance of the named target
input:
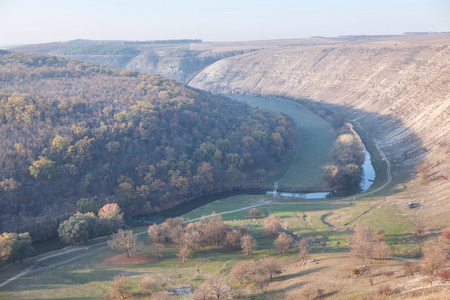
(303, 169)
(90, 275)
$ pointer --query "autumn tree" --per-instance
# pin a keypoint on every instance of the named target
(362, 242)
(284, 242)
(446, 235)
(125, 240)
(5, 248)
(254, 213)
(44, 168)
(15, 247)
(110, 218)
(248, 244)
(272, 225)
(61, 143)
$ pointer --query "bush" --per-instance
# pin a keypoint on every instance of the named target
(254, 213)
(385, 290)
(121, 287)
(356, 271)
(147, 285)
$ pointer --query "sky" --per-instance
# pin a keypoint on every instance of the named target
(40, 21)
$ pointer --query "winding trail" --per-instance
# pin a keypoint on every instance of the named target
(64, 251)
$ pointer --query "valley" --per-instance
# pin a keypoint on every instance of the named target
(393, 90)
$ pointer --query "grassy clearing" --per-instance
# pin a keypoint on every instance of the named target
(91, 275)
(314, 141)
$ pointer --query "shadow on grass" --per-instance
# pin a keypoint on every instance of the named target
(298, 274)
(50, 280)
(294, 286)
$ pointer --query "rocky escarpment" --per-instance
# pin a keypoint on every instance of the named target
(399, 88)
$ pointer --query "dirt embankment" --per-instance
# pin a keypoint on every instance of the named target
(398, 88)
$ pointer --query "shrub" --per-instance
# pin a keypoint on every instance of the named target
(121, 287)
(254, 213)
(147, 285)
(385, 290)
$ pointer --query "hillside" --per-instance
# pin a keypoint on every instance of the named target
(175, 59)
(396, 87)
(72, 130)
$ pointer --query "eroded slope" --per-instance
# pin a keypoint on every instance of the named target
(397, 87)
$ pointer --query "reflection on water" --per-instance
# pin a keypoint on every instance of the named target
(367, 179)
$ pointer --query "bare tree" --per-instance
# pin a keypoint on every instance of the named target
(121, 287)
(381, 249)
(189, 242)
(241, 271)
(362, 242)
(254, 213)
(270, 265)
(303, 249)
(158, 249)
(174, 228)
(219, 287)
(233, 239)
(410, 268)
(248, 244)
(202, 293)
(214, 230)
(284, 242)
(125, 240)
(147, 285)
(259, 278)
(433, 260)
(272, 225)
(158, 233)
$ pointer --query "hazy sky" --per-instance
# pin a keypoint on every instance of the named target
(37, 21)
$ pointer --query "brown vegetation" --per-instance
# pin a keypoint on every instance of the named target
(75, 130)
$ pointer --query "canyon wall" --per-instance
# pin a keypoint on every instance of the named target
(397, 87)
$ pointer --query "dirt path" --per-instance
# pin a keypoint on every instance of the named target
(35, 263)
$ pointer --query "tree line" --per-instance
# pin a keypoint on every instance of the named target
(73, 130)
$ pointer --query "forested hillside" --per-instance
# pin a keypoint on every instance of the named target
(72, 130)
